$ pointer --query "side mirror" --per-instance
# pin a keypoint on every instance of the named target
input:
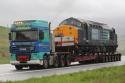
(9, 36)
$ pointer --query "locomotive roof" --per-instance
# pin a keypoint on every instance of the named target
(88, 21)
(91, 22)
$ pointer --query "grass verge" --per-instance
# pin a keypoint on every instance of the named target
(4, 59)
(104, 75)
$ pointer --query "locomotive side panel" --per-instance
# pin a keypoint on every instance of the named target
(83, 35)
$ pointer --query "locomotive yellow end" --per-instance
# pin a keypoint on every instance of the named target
(67, 30)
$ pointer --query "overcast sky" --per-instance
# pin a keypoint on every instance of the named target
(111, 12)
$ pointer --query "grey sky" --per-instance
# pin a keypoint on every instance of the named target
(111, 12)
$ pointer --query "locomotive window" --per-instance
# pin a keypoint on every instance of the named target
(78, 24)
(94, 25)
(100, 26)
(105, 35)
(64, 22)
(95, 34)
(90, 25)
(68, 21)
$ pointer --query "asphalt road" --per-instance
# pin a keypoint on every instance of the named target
(8, 72)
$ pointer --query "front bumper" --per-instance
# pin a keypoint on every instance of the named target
(31, 62)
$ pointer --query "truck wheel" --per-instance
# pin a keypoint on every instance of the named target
(18, 67)
(45, 62)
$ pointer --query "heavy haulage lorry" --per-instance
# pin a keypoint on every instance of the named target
(75, 40)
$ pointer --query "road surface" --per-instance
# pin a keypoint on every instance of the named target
(8, 72)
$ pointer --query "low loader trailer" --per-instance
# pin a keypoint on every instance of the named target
(33, 45)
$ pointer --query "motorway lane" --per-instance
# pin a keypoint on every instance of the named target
(8, 72)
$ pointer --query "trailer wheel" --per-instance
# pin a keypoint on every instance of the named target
(67, 60)
(103, 59)
(81, 62)
(18, 67)
(62, 61)
(119, 57)
(45, 62)
(116, 58)
(113, 58)
(109, 58)
(106, 58)
(33, 67)
(56, 62)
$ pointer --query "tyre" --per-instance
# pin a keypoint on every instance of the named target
(62, 61)
(113, 58)
(31, 67)
(67, 60)
(119, 57)
(81, 62)
(34, 67)
(56, 62)
(103, 59)
(18, 67)
(45, 62)
(106, 58)
(109, 58)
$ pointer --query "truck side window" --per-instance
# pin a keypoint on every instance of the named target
(41, 35)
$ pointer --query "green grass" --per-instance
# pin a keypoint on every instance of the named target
(104, 75)
(4, 59)
(4, 42)
(4, 45)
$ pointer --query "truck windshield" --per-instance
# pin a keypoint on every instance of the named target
(24, 35)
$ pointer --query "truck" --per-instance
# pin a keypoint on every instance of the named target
(33, 45)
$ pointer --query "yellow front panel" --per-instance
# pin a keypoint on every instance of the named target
(67, 30)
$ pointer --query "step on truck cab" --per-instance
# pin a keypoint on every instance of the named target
(29, 43)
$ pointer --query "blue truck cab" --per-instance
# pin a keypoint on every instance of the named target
(29, 42)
